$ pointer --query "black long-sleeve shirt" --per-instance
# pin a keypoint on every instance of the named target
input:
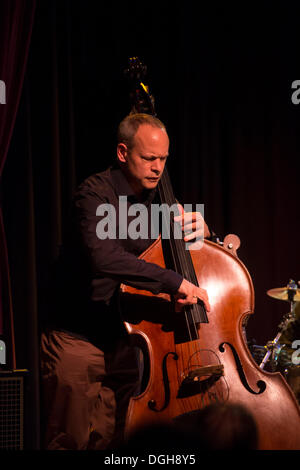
(90, 269)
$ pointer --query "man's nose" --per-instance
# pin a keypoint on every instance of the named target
(157, 166)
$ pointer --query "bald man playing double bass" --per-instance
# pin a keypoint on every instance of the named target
(89, 368)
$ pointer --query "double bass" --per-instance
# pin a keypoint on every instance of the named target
(194, 358)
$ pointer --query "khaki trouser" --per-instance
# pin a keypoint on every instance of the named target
(85, 392)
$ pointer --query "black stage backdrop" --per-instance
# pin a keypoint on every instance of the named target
(222, 80)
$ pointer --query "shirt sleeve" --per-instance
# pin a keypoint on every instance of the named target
(109, 259)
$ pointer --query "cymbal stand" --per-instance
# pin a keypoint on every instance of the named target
(272, 347)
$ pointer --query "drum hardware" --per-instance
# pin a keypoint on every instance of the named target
(291, 294)
(273, 351)
(276, 355)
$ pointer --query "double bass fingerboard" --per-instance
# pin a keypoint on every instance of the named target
(181, 258)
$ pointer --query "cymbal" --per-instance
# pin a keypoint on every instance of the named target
(281, 293)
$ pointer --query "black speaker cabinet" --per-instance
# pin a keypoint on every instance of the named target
(12, 409)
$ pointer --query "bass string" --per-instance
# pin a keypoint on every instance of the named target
(183, 264)
(177, 249)
(181, 258)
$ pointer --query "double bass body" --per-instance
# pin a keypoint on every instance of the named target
(187, 374)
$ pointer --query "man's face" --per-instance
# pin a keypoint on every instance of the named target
(145, 162)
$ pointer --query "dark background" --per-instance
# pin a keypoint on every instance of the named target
(221, 77)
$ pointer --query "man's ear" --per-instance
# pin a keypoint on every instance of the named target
(122, 152)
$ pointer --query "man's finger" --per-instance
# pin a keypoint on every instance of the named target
(190, 236)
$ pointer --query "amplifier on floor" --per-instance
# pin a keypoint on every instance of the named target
(12, 409)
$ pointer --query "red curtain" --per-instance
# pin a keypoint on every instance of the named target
(16, 21)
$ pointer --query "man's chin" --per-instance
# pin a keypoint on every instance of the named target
(151, 184)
